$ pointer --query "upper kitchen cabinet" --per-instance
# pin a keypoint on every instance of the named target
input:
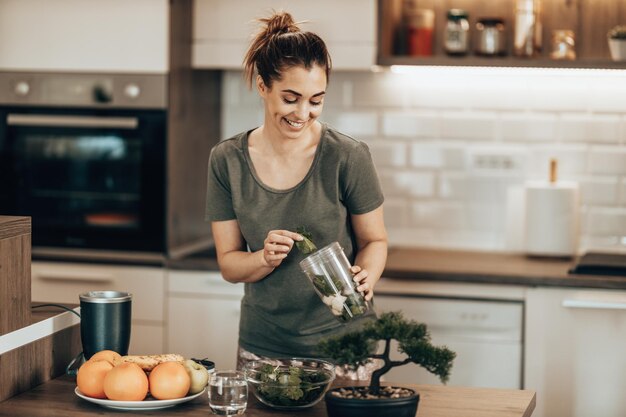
(223, 29)
(84, 35)
(420, 32)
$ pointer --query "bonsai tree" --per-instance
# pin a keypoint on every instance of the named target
(618, 32)
(357, 348)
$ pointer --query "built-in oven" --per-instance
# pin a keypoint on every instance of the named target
(85, 156)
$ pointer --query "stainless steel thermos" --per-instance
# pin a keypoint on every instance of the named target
(105, 321)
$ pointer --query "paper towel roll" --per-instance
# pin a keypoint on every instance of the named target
(552, 218)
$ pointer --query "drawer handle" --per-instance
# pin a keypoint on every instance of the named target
(76, 277)
(607, 305)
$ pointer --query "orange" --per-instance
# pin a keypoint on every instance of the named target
(169, 380)
(90, 378)
(107, 355)
(126, 382)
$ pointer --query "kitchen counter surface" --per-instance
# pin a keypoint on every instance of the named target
(421, 264)
(57, 398)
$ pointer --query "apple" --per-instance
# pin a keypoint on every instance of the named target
(198, 374)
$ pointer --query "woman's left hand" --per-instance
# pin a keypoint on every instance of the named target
(364, 281)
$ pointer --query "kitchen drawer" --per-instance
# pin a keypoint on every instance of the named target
(487, 337)
(63, 282)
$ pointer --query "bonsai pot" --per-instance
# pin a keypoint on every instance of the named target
(376, 407)
(618, 49)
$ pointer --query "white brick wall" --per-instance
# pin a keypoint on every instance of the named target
(450, 142)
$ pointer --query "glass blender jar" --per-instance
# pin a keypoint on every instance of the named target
(328, 270)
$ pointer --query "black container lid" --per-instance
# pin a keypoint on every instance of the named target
(490, 21)
(457, 14)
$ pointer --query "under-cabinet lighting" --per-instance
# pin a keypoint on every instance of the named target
(525, 71)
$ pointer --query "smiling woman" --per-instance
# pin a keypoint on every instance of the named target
(292, 171)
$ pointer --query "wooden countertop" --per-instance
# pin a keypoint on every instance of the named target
(491, 268)
(42, 313)
(423, 264)
(57, 398)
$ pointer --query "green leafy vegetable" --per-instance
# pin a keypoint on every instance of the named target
(289, 387)
(306, 245)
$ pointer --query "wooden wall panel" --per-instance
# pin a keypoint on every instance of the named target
(597, 17)
(28, 366)
(193, 128)
(15, 251)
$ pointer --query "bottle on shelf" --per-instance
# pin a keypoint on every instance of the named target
(527, 38)
(420, 25)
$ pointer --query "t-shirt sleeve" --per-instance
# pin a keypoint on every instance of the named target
(362, 192)
(219, 203)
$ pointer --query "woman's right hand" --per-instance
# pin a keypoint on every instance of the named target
(277, 246)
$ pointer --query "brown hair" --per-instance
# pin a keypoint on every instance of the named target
(280, 44)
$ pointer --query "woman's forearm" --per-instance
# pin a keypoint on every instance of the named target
(240, 266)
(372, 257)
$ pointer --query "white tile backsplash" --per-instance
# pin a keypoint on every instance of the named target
(607, 160)
(523, 126)
(396, 212)
(389, 153)
(426, 155)
(407, 183)
(353, 123)
(449, 142)
(411, 124)
(606, 221)
(595, 128)
(599, 191)
(468, 125)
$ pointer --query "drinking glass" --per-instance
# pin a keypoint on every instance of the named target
(228, 393)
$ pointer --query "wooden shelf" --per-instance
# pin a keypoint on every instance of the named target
(589, 19)
(479, 61)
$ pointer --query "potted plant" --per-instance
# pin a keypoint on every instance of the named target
(617, 43)
(357, 348)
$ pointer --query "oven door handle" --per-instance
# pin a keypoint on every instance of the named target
(72, 121)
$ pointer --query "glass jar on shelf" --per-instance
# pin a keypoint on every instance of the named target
(420, 25)
(456, 34)
(563, 45)
(490, 39)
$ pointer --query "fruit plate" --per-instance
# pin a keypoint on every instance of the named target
(148, 404)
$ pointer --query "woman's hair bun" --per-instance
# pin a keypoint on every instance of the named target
(280, 22)
(280, 44)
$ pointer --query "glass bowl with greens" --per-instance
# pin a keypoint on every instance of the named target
(291, 383)
(328, 269)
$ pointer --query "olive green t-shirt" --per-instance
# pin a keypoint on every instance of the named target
(281, 315)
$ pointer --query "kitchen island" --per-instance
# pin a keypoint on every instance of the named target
(57, 398)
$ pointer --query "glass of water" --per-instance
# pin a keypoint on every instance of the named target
(228, 393)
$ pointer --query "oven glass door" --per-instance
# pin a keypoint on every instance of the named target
(89, 179)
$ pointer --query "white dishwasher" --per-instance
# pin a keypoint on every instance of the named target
(487, 336)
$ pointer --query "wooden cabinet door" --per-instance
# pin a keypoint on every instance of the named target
(203, 316)
(222, 29)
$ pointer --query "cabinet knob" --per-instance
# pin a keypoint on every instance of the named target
(132, 90)
(22, 88)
